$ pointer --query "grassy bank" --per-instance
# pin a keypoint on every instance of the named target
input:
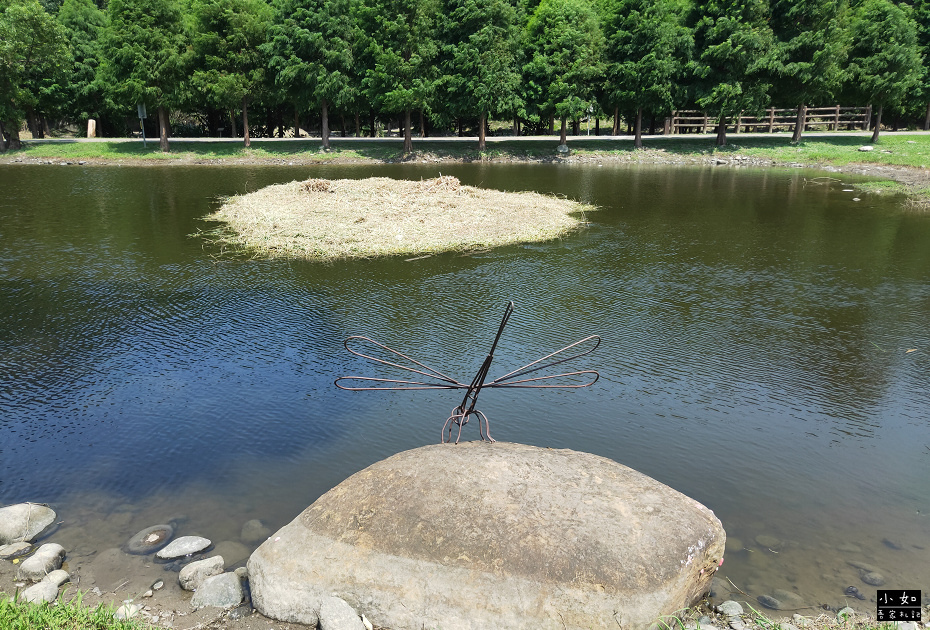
(62, 615)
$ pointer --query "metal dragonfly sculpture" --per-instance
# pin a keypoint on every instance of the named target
(437, 380)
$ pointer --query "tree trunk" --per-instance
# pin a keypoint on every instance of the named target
(722, 132)
(408, 141)
(371, 121)
(597, 126)
(562, 139)
(358, 125)
(296, 121)
(245, 123)
(878, 124)
(576, 127)
(638, 130)
(163, 129)
(13, 142)
(799, 123)
(31, 124)
(232, 125)
(324, 124)
(342, 125)
(46, 132)
(458, 122)
(927, 119)
(616, 130)
(652, 126)
(2, 138)
(481, 137)
(422, 125)
(552, 126)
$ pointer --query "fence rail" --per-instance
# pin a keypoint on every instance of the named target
(832, 118)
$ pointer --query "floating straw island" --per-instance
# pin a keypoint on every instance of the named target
(322, 219)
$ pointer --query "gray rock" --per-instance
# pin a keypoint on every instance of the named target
(768, 542)
(866, 148)
(47, 589)
(192, 575)
(219, 591)
(23, 522)
(593, 540)
(873, 578)
(893, 544)
(789, 598)
(336, 614)
(737, 624)
(769, 602)
(150, 539)
(45, 560)
(730, 608)
(127, 611)
(15, 550)
(562, 148)
(183, 546)
(254, 531)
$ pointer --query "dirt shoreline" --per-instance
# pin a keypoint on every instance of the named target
(916, 181)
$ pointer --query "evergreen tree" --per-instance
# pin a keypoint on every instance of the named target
(310, 47)
(482, 42)
(229, 66)
(811, 50)
(646, 53)
(83, 25)
(922, 19)
(564, 65)
(733, 53)
(143, 55)
(33, 52)
(884, 58)
(402, 46)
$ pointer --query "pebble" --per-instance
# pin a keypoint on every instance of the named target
(45, 560)
(47, 589)
(127, 611)
(769, 602)
(852, 591)
(150, 539)
(158, 585)
(730, 608)
(15, 550)
(873, 578)
(183, 546)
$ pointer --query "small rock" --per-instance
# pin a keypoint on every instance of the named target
(220, 591)
(790, 598)
(184, 546)
(148, 593)
(730, 608)
(240, 611)
(769, 542)
(769, 602)
(737, 624)
(866, 148)
(158, 585)
(127, 611)
(802, 622)
(23, 522)
(852, 591)
(150, 539)
(873, 578)
(242, 572)
(194, 574)
(856, 199)
(562, 148)
(48, 558)
(337, 614)
(47, 589)
(254, 531)
(720, 161)
(733, 544)
(893, 544)
(15, 550)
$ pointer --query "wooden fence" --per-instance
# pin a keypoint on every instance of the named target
(830, 118)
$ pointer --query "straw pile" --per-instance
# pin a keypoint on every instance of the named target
(344, 218)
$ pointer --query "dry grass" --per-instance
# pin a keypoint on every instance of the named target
(332, 219)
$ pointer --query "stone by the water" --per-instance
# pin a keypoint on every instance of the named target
(769, 602)
(789, 599)
(873, 578)
(23, 522)
(46, 559)
(193, 575)
(233, 552)
(220, 591)
(15, 550)
(496, 535)
(769, 542)
(734, 544)
(150, 539)
(127, 611)
(337, 614)
(893, 544)
(254, 531)
(47, 589)
(862, 566)
(730, 608)
(183, 546)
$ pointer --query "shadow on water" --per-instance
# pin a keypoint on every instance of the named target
(765, 352)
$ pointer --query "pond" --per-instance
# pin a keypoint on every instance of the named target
(765, 351)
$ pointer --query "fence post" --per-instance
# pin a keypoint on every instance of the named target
(771, 119)
(739, 121)
(867, 118)
(836, 119)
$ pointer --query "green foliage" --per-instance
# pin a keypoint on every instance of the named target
(143, 51)
(83, 25)
(884, 58)
(564, 50)
(34, 58)
(71, 615)
(228, 65)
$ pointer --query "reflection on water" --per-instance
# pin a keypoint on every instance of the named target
(757, 328)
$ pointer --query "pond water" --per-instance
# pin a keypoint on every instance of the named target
(765, 351)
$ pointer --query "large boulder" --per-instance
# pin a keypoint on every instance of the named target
(496, 535)
(24, 521)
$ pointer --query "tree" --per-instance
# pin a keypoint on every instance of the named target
(402, 46)
(733, 53)
(143, 55)
(811, 45)
(646, 53)
(83, 25)
(482, 48)
(564, 66)
(922, 19)
(33, 48)
(229, 66)
(884, 59)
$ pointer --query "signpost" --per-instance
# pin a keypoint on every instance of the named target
(142, 117)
